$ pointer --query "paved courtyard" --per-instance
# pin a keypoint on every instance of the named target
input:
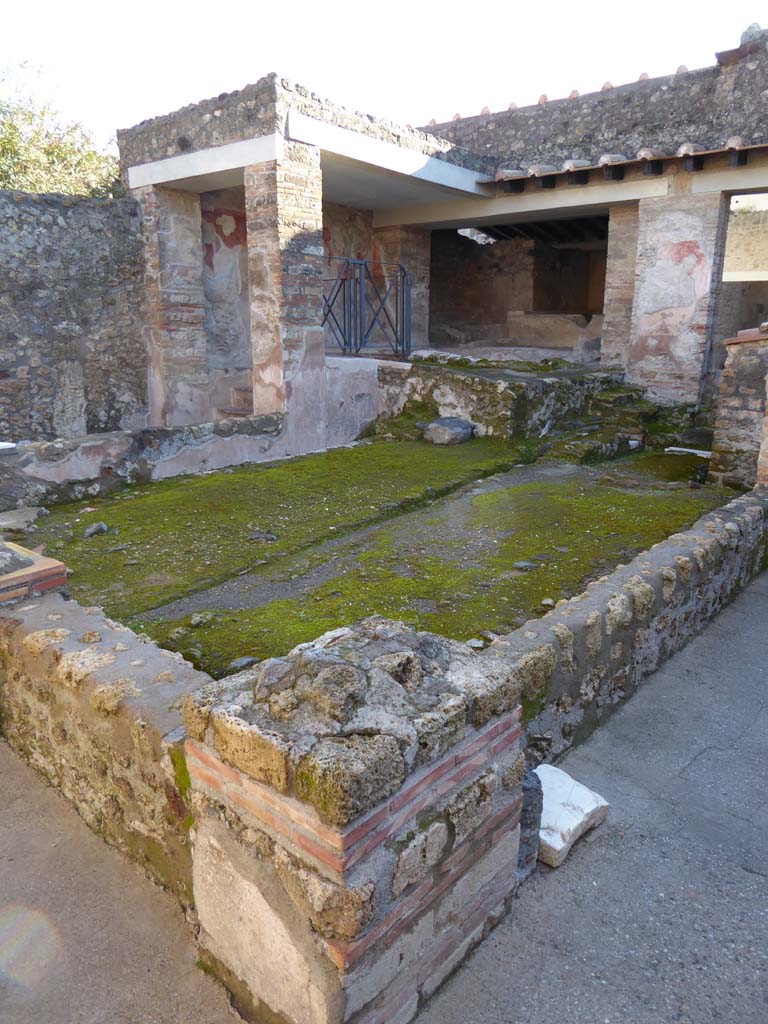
(658, 917)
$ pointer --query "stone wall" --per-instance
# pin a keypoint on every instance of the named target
(96, 710)
(42, 472)
(592, 652)
(261, 109)
(706, 106)
(678, 275)
(47, 472)
(495, 408)
(741, 408)
(72, 357)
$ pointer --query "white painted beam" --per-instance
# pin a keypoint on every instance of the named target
(745, 275)
(387, 155)
(181, 171)
(731, 179)
(525, 205)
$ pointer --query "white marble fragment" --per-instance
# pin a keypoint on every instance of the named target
(569, 810)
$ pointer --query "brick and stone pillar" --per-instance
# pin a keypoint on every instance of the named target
(741, 411)
(175, 307)
(762, 458)
(680, 249)
(619, 283)
(357, 810)
(284, 223)
(413, 248)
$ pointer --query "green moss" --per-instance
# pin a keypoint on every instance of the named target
(180, 772)
(530, 707)
(452, 571)
(409, 424)
(518, 365)
(176, 537)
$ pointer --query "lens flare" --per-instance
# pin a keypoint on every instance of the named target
(29, 943)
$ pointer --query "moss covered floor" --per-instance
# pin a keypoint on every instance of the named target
(453, 540)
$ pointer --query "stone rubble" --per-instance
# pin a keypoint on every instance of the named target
(569, 809)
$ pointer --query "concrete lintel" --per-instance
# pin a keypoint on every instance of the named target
(207, 168)
(753, 178)
(470, 212)
(745, 275)
(356, 146)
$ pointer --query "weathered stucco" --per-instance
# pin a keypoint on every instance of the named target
(681, 240)
(225, 294)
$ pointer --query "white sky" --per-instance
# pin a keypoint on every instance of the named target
(110, 65)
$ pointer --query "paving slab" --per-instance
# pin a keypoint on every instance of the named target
(660, 916)
(85, 937)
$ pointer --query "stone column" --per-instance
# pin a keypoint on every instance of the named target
(175, 312)
(680, 249)
(619, 283)
(284, 223)
(412, 247)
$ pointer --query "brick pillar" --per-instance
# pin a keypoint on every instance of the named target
(284, 223)
(741, 408)
(619, 283)
(680, 249)
(412, 247)
(357, 811)
(175, 311)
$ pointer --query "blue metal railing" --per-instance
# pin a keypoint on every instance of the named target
(369, 302)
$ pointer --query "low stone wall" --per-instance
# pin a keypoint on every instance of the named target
(495, 408)
(594, 650)
(96, 709)
(351, 397)
(67, 470)
(741, 407)
(346, 819)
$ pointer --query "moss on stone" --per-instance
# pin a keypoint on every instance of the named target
(180, 772)
(453, 571)
(176, 537)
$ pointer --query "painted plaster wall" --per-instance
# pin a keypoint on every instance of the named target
(225, 291)
(474, 287)
(410, 247)
(347, 234)
(681, 241)
(568, 280)
(72, 356)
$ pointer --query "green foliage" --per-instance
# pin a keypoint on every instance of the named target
(40, 153)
